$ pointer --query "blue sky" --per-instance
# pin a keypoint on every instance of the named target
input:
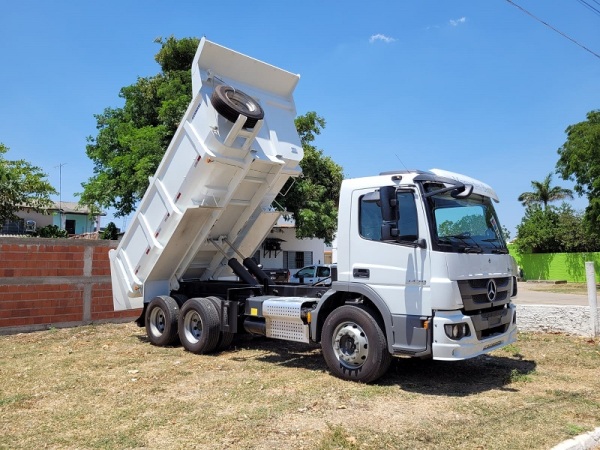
(476, 87)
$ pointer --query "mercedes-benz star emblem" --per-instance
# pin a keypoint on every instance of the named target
(491, 290)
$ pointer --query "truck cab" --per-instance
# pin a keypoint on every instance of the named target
(424, 250)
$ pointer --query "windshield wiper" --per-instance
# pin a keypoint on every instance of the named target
(463, 238)
(498, 250)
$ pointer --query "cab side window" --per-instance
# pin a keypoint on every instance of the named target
(408, 229)
(370, 218)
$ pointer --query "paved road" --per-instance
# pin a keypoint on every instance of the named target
(528, 296)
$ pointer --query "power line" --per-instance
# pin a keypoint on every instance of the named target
(596, 2)
(554, 29)
(590, 7)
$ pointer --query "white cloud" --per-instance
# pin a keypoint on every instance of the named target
(381, 37)
(458, 22)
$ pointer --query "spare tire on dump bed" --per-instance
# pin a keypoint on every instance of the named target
(231, 102)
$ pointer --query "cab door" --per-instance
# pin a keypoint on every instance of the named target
(397, 268)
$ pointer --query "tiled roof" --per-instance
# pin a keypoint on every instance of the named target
(70, 208)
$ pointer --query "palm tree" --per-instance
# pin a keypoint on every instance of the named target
(544, 194)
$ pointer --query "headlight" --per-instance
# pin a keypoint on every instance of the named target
(457, 331)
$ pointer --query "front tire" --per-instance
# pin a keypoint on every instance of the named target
(354, 345)
(162, 315)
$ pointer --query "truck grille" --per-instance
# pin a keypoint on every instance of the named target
(485, 300)
(475, 295)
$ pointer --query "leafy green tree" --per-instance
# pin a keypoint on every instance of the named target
(579, 161)
(555, 230)
(536, 232)
(110, 232)
(572, 233)
(21, 185)
(313, 198)
(543, 193)
(132, 140)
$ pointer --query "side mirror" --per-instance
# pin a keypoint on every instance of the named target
(389, 213)
(421, 243)
(389, 204)
(462, 192)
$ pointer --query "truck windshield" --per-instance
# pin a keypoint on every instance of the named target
(466, 225)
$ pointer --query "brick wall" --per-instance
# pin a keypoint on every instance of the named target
(55, 282)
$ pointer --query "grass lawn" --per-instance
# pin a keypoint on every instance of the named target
(105, 386)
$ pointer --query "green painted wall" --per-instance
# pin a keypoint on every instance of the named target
(556, 266)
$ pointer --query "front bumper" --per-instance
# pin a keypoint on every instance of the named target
(444, 348)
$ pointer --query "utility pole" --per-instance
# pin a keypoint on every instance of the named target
(590, 275)
(60, 210)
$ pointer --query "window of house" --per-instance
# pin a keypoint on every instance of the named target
(297, 260)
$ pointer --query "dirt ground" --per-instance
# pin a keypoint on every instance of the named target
(106, 387)
(552, 294)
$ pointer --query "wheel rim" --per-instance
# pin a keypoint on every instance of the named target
(241, 101)
(157, 321)
(192, 327)
(350, 344)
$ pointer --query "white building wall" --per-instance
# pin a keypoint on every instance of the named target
(272, 259)
(40, 219)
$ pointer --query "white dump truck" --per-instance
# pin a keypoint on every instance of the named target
(422, 270)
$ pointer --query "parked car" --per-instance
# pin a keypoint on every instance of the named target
(316, 273)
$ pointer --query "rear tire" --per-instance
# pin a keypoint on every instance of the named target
(180, 299)
(354, 345)
(199, 325)
(225, 337)
(161, 319)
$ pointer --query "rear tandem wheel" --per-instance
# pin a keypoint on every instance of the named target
(199, 325)
(225, 337)
(161, 319)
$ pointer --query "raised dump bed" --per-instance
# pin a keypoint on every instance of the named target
(217, 180)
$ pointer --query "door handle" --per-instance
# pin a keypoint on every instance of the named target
(360, 273)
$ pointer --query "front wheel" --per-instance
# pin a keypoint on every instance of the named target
(354, 345)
